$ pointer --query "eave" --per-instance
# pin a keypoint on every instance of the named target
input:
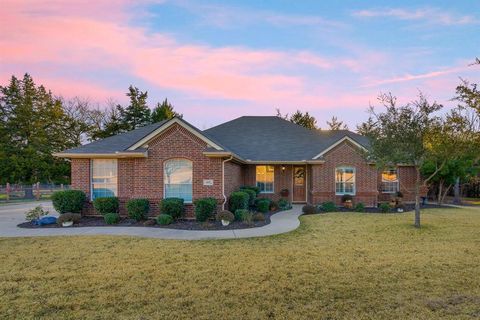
(115, 155)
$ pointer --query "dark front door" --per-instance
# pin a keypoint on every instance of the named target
(299, 184)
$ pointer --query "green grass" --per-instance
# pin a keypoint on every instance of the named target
(335, 266)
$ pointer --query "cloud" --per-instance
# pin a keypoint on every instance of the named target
(428, 15)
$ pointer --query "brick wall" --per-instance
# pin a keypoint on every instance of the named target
(406, 178)
(234, 178)
(322, 187)
(282, 180)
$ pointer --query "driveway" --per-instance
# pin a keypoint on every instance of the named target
(12, 215)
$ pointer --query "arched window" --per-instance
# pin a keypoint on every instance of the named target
(177, 179)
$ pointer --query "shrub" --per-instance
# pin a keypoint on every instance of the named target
(204, 208)
(225, 215)
(258, 217)
(35, 213)
(360, 207)
(68, 201)
(273, 206)
(254, 188)
(173, 207)
(247, 217)
(329, 206)
(138, 209)
(283, 204)
(149, 222)
(239, 214)
(111, 218)
(106, 205)
(346, 197)
(309, 209)
(263, 205)
(239, 200)
(384, 207)
(65, 217)
(164, 219)
(252, 195)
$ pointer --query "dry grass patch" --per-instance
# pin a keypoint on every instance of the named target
(335, 266)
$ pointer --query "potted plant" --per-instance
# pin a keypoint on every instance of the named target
(347, 201)
(284, 193)
(225, 217)
(400, 208)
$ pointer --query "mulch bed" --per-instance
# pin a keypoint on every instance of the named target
(180, 224)
(407, 208)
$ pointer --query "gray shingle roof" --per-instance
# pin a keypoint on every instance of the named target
(249, 137)
(275, 139)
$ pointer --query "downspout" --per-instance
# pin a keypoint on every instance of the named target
(223, 181)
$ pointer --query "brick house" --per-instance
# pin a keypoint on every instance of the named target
(174, 159)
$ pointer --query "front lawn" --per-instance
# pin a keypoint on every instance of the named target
(335, 266)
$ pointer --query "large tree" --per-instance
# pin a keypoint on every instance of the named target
(137, 113)
(300, 118)
(32, 128)
(164, 111)
(334, 124)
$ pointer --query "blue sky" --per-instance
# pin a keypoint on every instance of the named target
(216, 60)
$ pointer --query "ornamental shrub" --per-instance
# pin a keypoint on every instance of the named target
(273, 206)
(111, 218)
(164, 219)
(384, 207)
(138, 209)
(239, 200)
(247, 217)
(254, 188)
(173, 207)
(68, 201)
(225, 215)
(329, 206)
(258, 217)
(360, 207)
(35, 213)
(263, 205)
(65, 217)
(204, 208)
(309, 209)
(239, 214)
(106, 205)
(252, 195)
(283, 204)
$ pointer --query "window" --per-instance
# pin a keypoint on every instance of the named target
(104, 178)
(345, 180)
(265, 178)
(390, 181)
(177, 179)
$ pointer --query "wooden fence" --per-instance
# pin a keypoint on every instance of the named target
(37, 191)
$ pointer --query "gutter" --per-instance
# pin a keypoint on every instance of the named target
(223, 181)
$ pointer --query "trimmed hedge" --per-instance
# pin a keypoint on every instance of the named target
(263, 205)
(329, 206)
(309, 209)
(239, 200)
(239, 213)
(164, 219)
(384, 207)
(254, 188)
(106, 205)
(173, 207)
(111, 218)
(252, 195)
(138, 209)
(68, 201)
(204, 208)
(283, 204)
(360, 207)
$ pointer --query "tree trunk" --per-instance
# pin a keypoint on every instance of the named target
(456, 192)
(442, 199)
(440, 192)
(417, 197)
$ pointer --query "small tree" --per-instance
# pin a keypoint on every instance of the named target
(399, 135)
(164, 111)
(300, 118)
(335, 124)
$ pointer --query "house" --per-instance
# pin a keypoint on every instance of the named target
(174, 159)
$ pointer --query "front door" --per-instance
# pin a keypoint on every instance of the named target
(299, 184)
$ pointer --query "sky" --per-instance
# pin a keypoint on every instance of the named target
(218, 60)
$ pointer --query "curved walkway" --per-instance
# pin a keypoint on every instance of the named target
(12, 215)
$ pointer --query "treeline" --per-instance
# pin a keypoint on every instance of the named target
(34, 123)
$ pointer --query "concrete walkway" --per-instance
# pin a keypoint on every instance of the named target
(12, 215)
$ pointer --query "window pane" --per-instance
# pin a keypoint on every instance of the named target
(265, 176)
(178, 176)
(345, 180)
(390, 181)
(104, 178)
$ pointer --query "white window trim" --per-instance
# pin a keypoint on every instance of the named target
(273, 187)
(398, 183)
(91, 176)
(164, 189)
(354, 181)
